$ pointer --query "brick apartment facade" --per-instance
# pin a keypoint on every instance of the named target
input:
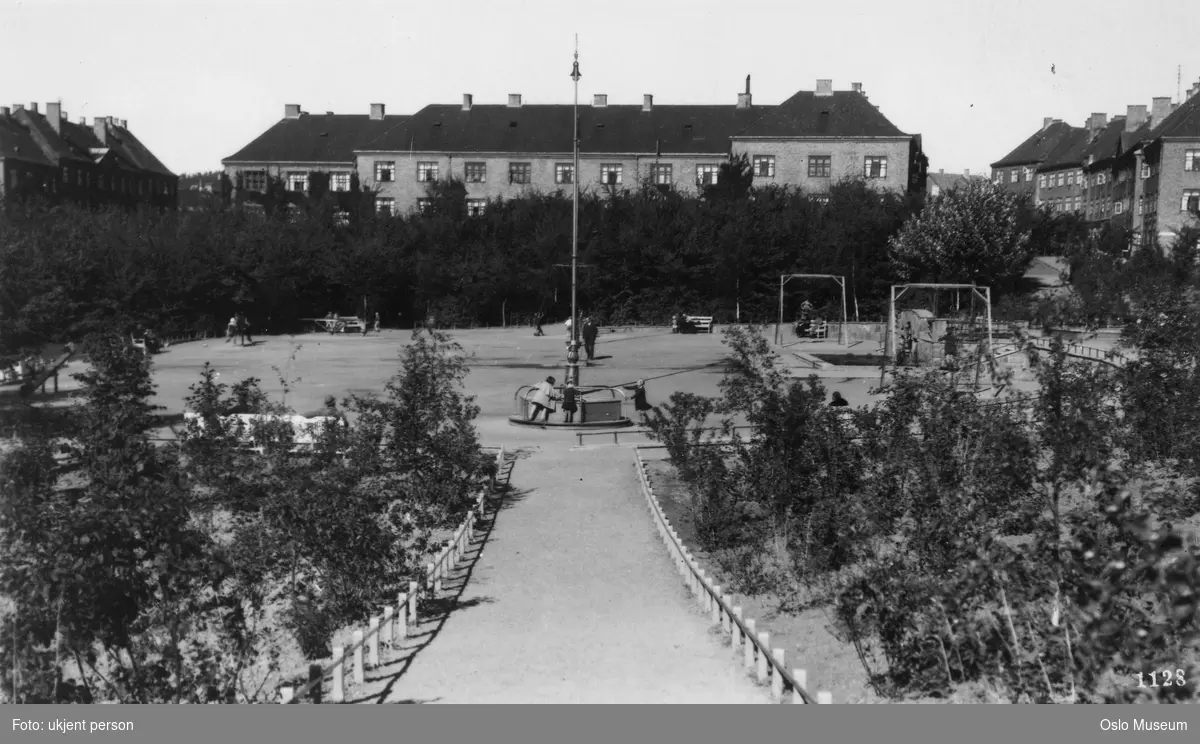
(503, 150)
(101, 163)
(1139, 170)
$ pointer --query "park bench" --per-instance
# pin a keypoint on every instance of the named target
(697, 324)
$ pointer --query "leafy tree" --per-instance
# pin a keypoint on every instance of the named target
(972, 234)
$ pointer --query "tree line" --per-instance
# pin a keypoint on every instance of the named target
(646, 253)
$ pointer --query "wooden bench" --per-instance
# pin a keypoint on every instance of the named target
(697, 324)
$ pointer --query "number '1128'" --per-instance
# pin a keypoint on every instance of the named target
(1162, 679)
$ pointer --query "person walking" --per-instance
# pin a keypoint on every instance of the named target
(639, 398)
(590, 331)
(537, 322)
(243, 324)
(570, 399)
(542, 399)
(231, 328)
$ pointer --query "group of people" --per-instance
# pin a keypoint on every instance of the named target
(908, 350)
(239, 328)
(589, 330)
(544, 395)
(808, 323)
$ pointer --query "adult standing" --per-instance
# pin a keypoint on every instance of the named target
(378, 325)
(568, 325)
(542, 399)
(537, 322)
(590, 331)
(243, 324)
(231, 328)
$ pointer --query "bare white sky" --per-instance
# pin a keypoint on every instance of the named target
(198, 80)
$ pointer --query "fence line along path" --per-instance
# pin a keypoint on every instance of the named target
(574, 600)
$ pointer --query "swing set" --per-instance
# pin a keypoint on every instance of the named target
(921, 329)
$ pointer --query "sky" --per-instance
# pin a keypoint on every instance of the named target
(199, 80)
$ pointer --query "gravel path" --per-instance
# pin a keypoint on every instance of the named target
(572, 600)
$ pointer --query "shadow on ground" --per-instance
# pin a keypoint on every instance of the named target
(435, 612)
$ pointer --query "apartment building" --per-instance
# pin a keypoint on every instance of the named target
(302, 143)
(504, 150)
(100, 163)
(1139, 171)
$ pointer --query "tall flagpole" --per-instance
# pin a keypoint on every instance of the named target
(573, 346)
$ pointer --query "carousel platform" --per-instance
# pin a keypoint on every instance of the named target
(618, 423)
(599, 408)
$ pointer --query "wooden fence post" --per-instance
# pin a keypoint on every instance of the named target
(764, 639)
(717, 612)
(429, 578)
(825, 698)
(735, 631)
(359, 674)
(776, 674)
(315, 675)
(389, 626)
(412, 604)
(748, 659)
(702, 594)
(400, 629)
(801, 683)
(373, 644)
(338, 694)
(726, 622)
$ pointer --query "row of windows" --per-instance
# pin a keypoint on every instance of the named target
(256, 180)
(1191, 163)
(124, 185)
(386, 205)
(819, 166)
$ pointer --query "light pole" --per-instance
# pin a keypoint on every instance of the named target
(572, 376)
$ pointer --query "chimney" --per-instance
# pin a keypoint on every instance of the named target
(744, 98)
(100, 128)
(33, 108)
(647, 102)
(856, 87)
(83, 121)
(514, 100)
(18, 107)
(1160, 108)
(467, 99)
(291, 111)
(941, 171)
(600, 100)
(1097, 122)
(824, 87)
(54, 116)
(1046, 122)
(4, 111)
(1135, 116)
(966, 172)
(377, 111)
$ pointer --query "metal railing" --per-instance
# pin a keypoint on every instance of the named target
(745, 640)
(521, 397)
(392, 626)
(616, 433)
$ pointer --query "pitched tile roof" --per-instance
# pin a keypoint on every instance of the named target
(1037, 147)
(1070, 152)
(315, 138)
(78, 143)
(549, 128)
(1183, 122)
(947, 181)
(843, 114)
(1107, 143)
(17, 143)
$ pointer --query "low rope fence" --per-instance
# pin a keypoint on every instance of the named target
(753, 646)
(389, 628)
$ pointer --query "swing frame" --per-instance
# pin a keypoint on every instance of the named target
(983, 293)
